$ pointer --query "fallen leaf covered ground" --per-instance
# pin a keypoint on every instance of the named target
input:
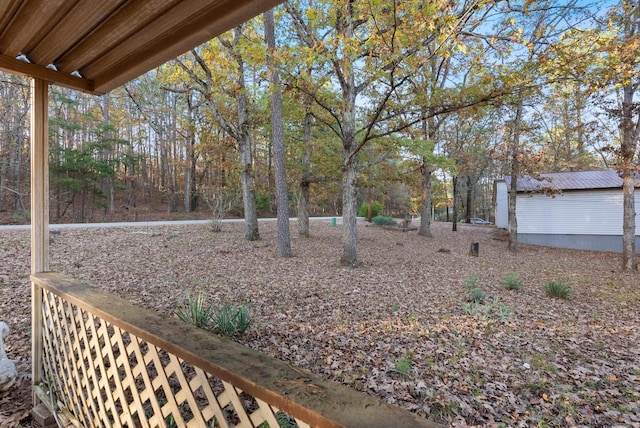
(401, 327)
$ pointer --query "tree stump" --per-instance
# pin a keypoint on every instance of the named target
(475, 249)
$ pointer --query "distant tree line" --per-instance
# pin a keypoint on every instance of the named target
(418, 106)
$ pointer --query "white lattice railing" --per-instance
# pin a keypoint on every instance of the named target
(107, 362)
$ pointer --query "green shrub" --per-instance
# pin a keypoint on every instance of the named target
(226, 320)
(376, 209)
(477, 295)
(263, 205)
(382, 220)
(25, 217)
(470, 282)
(284, 421)
(557, 289)
(513, 282)
(231, 321)
(197, 311)
(403, 365)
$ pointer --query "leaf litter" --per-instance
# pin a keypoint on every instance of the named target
(400, 328)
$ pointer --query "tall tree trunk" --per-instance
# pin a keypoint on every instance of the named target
(4, 158)
(630, 131)
(282, 196)
(107, 182)
(454, 222)
(629, 142)
(515, 172)
(251, 232)
(345, 27)
(349, 211)
(18, 206)
(305, 182)
(425, 219)
(190, 172)
(428, 128)
(468, 209)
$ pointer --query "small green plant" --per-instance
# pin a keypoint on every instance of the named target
(403, 365)
(495, 310)
(503, 311)
(22, 218)
(376, 209)
(472, 308)
(558, 289)
(197, 311)
(284, 421)
(263, 204)
(226, 320)
(231, 321)
(382, 220)
(513, 282)
(471, 282)
(477, 295)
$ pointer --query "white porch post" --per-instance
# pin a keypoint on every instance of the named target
(39, 215)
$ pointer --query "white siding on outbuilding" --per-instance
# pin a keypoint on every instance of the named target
(585, 211)
(502, 204)
(595, 212)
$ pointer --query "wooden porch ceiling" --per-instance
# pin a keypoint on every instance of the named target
(96, 46)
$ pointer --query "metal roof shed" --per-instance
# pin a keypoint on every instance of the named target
(574, 209)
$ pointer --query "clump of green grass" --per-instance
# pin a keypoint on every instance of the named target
(558, 289)
(474, 294)
(284, 421)
(231, 321)
(197, 311)
(382, 220)
(470, 282)
(477, 295)
(403, 365)
(226, 320)
(513, 282)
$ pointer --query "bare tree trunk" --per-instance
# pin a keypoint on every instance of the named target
(350, 147)
(191, 179)
(454, 221)
(515, 172)
(349, 212)
(629, 141)
(425, 219)
(429, 129)
(18, 206)
(468, 209)
(251, 232)
(284, 240)
(305, 183)
(107, 182)
(4, 155)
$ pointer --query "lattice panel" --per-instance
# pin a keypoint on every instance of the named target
(104, 376)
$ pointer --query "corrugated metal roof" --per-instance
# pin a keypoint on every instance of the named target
(573, 180)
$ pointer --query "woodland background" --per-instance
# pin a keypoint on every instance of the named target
(414, 107)
(424, 102)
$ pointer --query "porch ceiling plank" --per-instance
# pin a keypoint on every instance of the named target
(80, 21)
(110, 41)
(153, 36)
(116, 29)
(12, 65)
(31, 24)
(165, 38)
(8, 9)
